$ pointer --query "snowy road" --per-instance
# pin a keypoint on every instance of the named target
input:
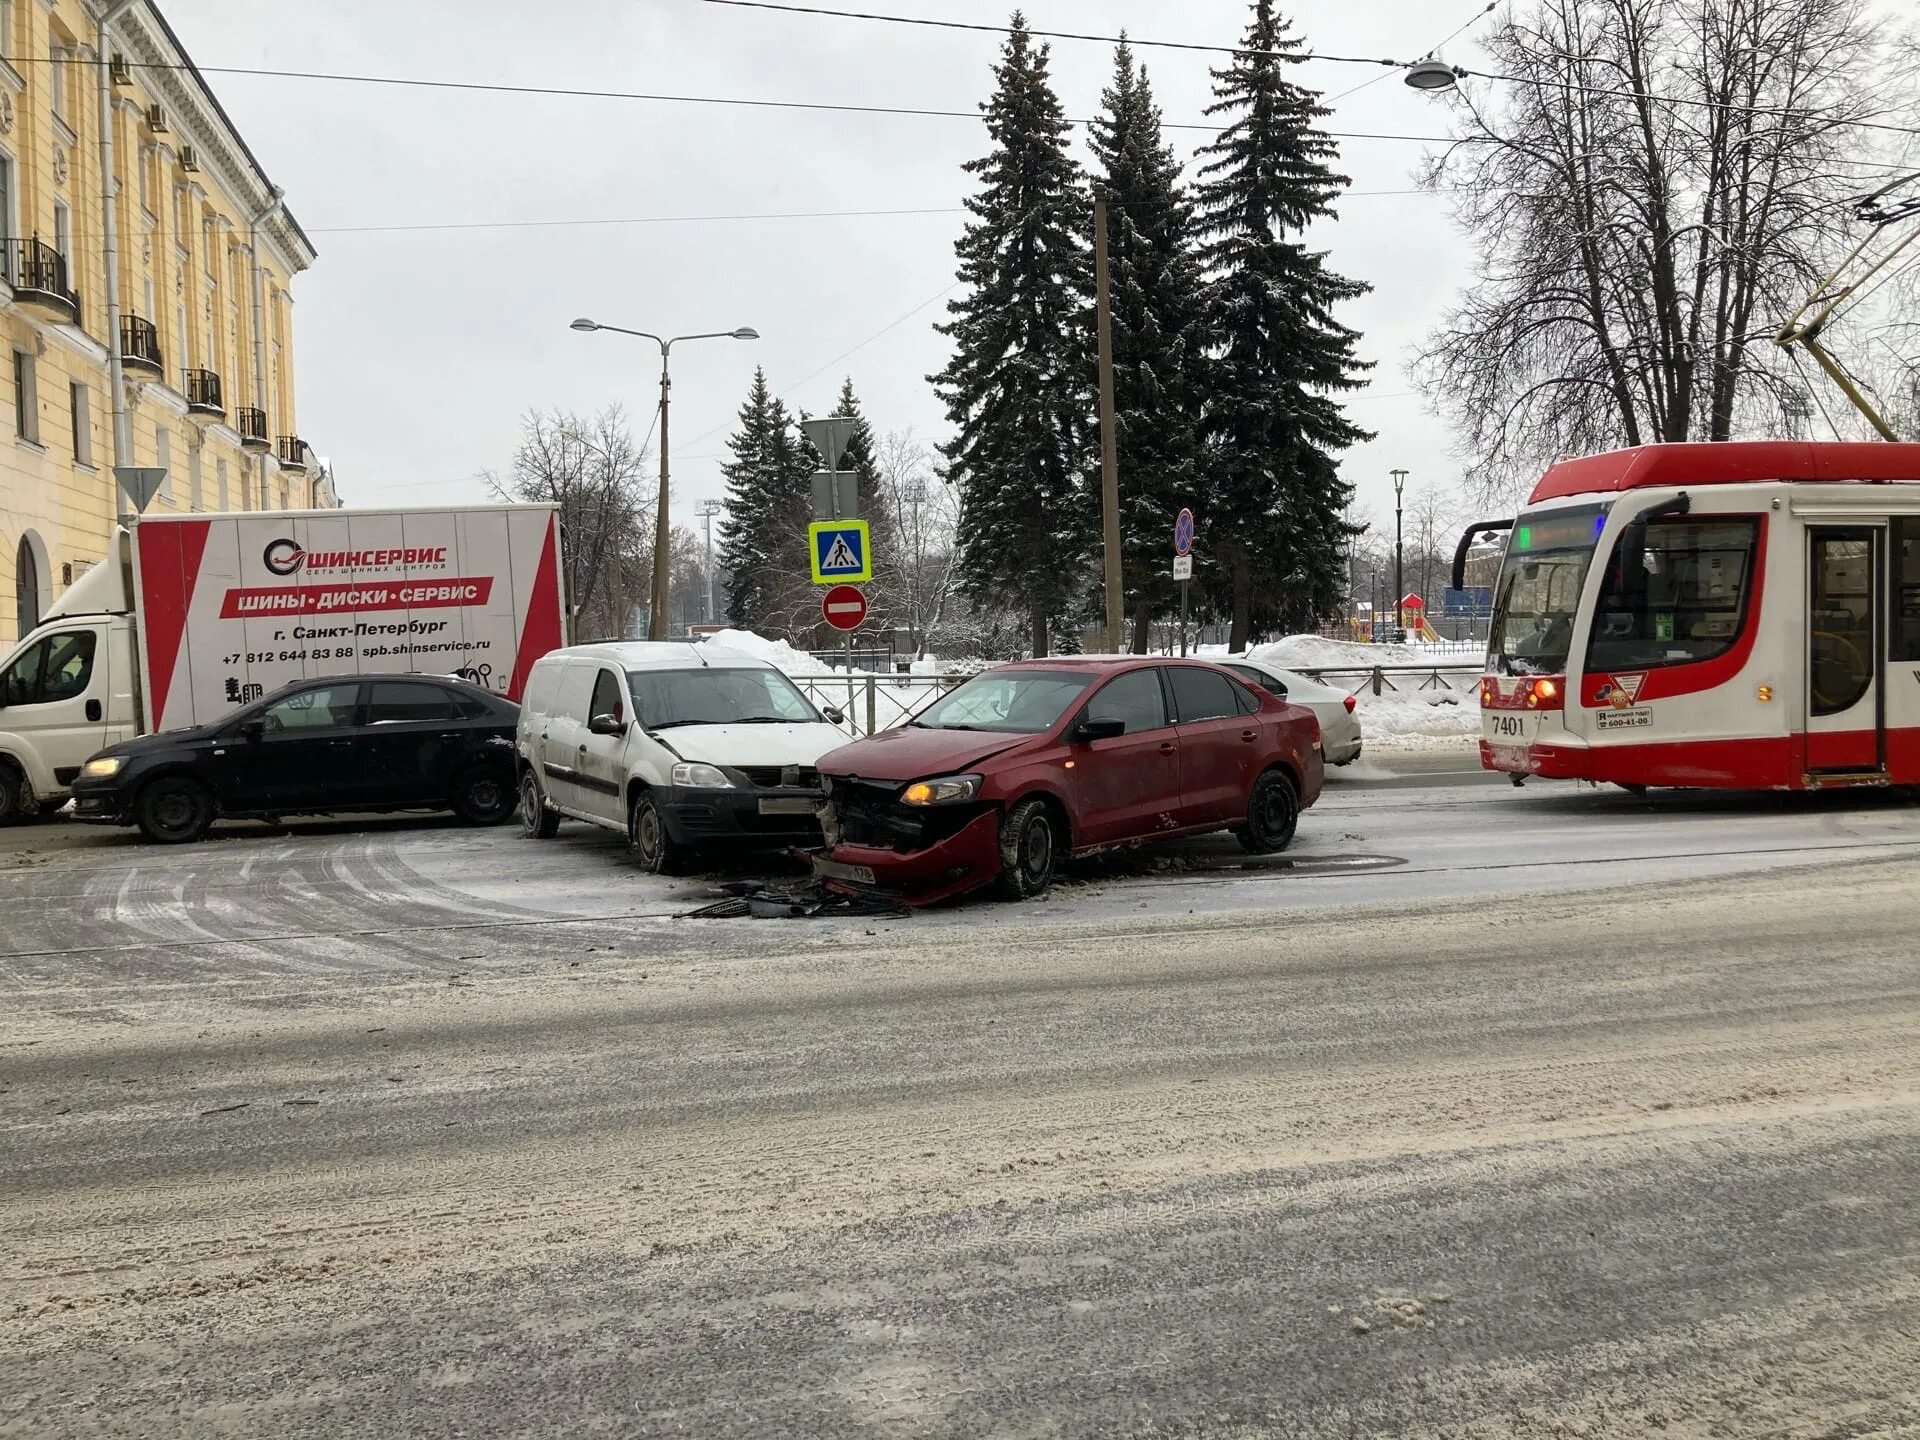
(1474, 1114)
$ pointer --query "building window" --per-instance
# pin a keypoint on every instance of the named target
(82, 424)
(6, 211)
(220, 484)
(26, 398)
(6, 28)
(26, 590)
(63, 234)
(163, 457)
(57, 79)
(146, 182)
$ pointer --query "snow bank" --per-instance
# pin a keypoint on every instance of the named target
(777, 653)
(1301, 650)
(1418, 720)
(1408, 718)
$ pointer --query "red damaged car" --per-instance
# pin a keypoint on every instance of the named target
(1023, 765)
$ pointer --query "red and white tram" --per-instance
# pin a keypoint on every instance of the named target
(1739, 615)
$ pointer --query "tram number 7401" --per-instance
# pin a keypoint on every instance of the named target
(1510, 727)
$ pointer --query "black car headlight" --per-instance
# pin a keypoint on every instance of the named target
(943, 790)
(103, 767)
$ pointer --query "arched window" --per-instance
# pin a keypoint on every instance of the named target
(26, 588)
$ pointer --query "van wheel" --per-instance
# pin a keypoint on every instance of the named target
(482, 796)
(12, 796)
(1273, 813)
(1029, 846)
(537, 822)
(647, 839)
(173, 810)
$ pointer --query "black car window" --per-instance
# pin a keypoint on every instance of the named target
(399, 702)
(59, 667)
(1135, 698)
(607, 699)
(329, 707)
(1201, 694)
(1245, 699)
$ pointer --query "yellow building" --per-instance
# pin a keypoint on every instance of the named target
(204, 251)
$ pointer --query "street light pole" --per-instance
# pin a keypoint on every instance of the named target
(1399, 576)
(709, 509)
(657, 608)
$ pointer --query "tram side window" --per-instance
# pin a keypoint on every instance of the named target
(1677, 597)
(1905, 639)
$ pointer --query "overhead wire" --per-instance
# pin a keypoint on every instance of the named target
(1296, 57)
(489, 87)
(1288, 56)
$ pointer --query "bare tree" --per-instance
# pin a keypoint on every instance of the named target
(915, 578)
(1655, 190)
(597, 474)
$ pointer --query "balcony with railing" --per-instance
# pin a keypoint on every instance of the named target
(140, 345)
(252, 425)
(292, 452)
(203, 394)
(38, 274)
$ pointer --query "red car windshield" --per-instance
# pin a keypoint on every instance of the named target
(1020, 702)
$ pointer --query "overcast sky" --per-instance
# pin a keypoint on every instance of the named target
(417, 351)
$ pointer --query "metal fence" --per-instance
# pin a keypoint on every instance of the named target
(1380, 679)
(871, 703)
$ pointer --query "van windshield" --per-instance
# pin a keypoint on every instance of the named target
(1539, 589)
(664, 698)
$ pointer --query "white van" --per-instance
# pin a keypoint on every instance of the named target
(680, 747)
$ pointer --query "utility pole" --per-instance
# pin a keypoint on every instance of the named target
(1109, 458)
(1399, 577)
(914, 493)
(708, 509)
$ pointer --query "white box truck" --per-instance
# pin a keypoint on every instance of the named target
(192, 616)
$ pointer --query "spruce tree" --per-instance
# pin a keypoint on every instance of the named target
(1016, 389)
(763, 538)
(1272, 517)
(1155, 298)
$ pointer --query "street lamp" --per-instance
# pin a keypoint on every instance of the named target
(657, 607)
(1431, 74)
(1399, 577)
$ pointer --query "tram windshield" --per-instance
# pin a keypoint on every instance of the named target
(1538, 595)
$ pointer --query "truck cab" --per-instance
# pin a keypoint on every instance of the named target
(66, 692)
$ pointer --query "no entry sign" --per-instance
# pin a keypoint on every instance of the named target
(844, 607)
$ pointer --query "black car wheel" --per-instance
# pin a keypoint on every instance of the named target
(1273, 810)
(653, 848)
(483, 796)
(1029, 846)
(537, 822)
(12, 796)
(173, 810)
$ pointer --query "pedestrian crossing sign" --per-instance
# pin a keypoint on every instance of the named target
(840, 552)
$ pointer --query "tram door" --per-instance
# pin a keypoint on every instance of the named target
(1846, 626)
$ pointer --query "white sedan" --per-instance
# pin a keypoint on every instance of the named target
(1339, 726)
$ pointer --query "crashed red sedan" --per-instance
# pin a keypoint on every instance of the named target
(1028, 763)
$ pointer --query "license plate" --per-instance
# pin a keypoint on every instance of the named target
(796, 805)
(834, 870)
(1508, 727)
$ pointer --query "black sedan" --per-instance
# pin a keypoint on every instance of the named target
(319, 747)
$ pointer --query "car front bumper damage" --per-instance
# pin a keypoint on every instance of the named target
(921, 857)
